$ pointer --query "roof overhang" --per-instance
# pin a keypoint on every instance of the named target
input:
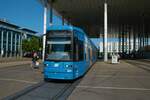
(87, 13)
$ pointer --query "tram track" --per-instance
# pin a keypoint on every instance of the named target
(61, 92)
(23, 92)
(53, 90)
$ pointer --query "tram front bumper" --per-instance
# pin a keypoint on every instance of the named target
(59, 75)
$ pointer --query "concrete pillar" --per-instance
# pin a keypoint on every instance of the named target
(6, 55)
(134, 39)
(110, 43)
(129, 39)
(143, 35)
(138, 31)
(100, 41)
(117, 42)
(137, 38)
(140, 37)
(105, 33)
(119, 38)
(11, 44)
(126, 37)
(15, 44)
(44, 32)
(103, 44)
(123, 38)
(21, 38)
(2, 43)
(147, 35)
(19, 46)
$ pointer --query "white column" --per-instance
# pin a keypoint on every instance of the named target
(100, 41)
(105, 33)
(11, 44)
(2, 43)
(15, 44)
(6, 45)
(44, 32)
(19, 45)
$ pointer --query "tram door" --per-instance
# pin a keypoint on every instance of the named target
(86, 53)
(91, 54)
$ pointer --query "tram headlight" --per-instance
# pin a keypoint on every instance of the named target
(68, 66)
(45, 65)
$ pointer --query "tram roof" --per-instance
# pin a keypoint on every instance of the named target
(64, 27)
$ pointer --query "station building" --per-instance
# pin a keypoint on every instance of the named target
(11, 37)
(128, 21)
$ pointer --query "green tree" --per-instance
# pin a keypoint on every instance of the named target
(25, 45)
(30, 45)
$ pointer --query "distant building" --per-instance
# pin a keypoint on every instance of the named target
(11, 37)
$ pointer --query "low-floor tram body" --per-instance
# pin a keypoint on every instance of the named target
(69, 53)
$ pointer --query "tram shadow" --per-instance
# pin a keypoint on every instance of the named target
(62, 81)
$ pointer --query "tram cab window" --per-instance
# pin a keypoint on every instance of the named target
(58, 46)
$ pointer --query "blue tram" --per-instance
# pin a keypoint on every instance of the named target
(69, 53)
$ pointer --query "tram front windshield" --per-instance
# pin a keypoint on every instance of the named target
(58, 46)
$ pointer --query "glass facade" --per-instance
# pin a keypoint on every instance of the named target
(10, 43)
(11, 40)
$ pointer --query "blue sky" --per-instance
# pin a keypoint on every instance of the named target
(24, 13)
(28, 14)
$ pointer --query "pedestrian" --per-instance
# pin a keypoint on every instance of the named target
(35, 59)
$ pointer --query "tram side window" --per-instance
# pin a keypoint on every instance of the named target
(78, 50)
(81, 50)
